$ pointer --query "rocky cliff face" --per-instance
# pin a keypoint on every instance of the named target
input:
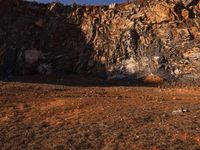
(138, 40)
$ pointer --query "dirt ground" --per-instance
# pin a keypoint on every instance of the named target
(77, 114)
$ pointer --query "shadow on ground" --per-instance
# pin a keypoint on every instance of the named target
(77, 80)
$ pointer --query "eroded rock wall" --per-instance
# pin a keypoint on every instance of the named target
(136, 40)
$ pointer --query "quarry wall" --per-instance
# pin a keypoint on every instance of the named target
(145, 38)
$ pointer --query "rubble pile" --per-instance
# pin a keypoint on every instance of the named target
(137, 40)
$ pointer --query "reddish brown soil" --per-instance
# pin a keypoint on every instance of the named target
(97, 116)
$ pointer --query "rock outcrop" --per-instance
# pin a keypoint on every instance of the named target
(143, 39)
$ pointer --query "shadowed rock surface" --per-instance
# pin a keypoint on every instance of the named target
(150, 40)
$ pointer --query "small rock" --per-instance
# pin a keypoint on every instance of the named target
(111, 6)
(151, 78)
(177, 72)
(180, 110)
(119, 97)
(185, 14)
(177, 111)
(103, 59)
(185, 110)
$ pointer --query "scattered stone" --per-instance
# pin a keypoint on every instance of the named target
(174, 98)
(177, 72)
(151, 78)
(185, 110)
(111, 6)
(119, 97)
(180, 110)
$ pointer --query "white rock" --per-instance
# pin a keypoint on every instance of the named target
(178, 111)
(177, 72)
(111, 6)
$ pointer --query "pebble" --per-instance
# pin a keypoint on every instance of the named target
(180, 110)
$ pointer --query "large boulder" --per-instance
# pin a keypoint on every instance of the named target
(33, 56)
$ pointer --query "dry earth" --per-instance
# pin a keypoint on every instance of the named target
(92, 114)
